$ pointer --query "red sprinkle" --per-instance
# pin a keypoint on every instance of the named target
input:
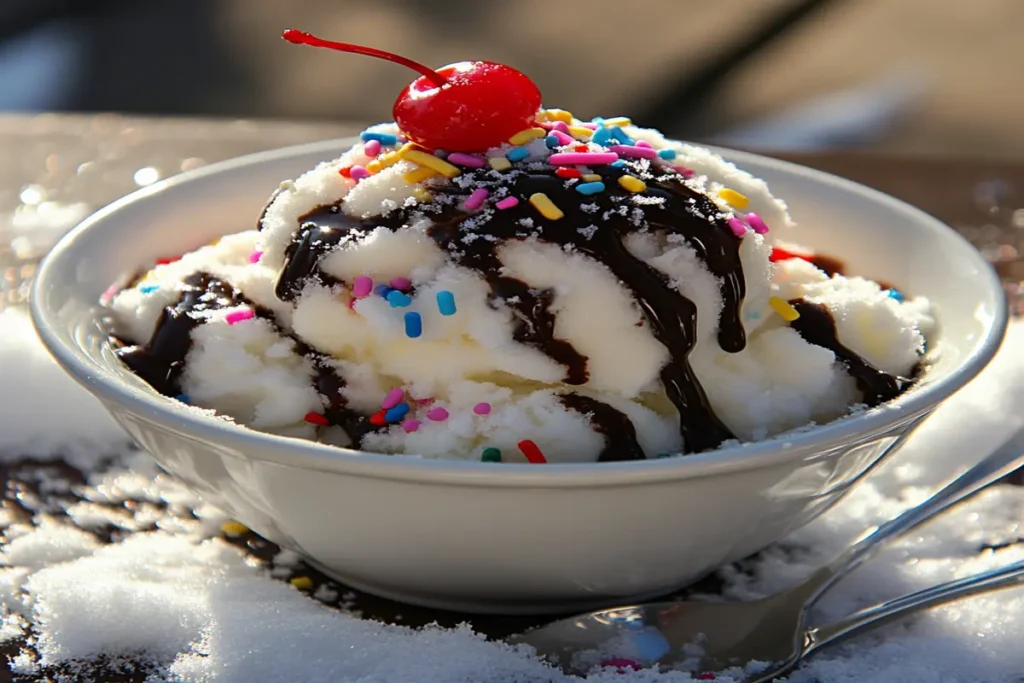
(532, 452)
(345, 171)
(564, 172)
(581, 148)
(783, 255)
(377, 419)
(316, 419)
(707, 676)
(621, 663)
(165, 261)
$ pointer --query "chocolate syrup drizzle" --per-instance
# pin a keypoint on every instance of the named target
(594, 225)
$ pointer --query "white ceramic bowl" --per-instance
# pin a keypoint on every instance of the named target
(511, 538)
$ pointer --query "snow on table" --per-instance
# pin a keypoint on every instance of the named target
(112, 571)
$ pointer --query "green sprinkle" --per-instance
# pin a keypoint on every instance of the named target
(491, 454)
(661, 456)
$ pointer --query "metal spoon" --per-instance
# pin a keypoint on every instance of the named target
(773, 629)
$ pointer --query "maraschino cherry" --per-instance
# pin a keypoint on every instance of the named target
(462, 107)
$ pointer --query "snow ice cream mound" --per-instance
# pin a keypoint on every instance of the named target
(589, 291)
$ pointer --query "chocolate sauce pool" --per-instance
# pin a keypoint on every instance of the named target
(594, 225)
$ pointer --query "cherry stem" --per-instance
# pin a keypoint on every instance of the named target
(303, 38)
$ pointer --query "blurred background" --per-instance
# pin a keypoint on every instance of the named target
(922, 76)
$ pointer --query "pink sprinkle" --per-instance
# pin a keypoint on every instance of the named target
(683, 171)
(737, 227)
(467, 160)
(643, 143)
(411, 426)
(425, 401)
(507, 203)
(563, 138)
(238, 316)
(438, 414)
(362, 286)
(402, 284)
(630, 151)
(482, 408)
(544, 124)
(254, 257)
(110, 292)
(586, 158)
(372, 148)
(560, 126)
(359, 172)
(621, 663)
(476, 199)
(591, 126)
(755, 221)
(393, 398)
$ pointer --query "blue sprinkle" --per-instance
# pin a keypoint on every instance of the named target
(551, 141)
(650, 643)
(517, 154)
(413, 325)
(398, 299)
(618, 164)
(895, 294)
(667, 153)
(446, 302)
(397, 413)
(440, 154)
(601, 136)
(382, 291)
(590, 188)
(662, 456)
(621, 136)
(149, 288)
(384, 138)
(598, 120)
(183, 398)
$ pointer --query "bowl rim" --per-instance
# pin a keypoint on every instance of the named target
(292, 451)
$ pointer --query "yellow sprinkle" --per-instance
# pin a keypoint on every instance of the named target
(591, 178)
(499, 163)
(385, 160)
(546, 207)
(429, 160)
(617, 121)
(524, 136)
(559, 115)
(421, 194)
(783, 308)
(632, 184)
(418, 175)
(733, 198)
(303, 583)
(373, 166)
(234, 528)
(580, 133)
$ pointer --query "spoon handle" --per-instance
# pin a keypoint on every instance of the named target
(899, 607)
(1005, 459)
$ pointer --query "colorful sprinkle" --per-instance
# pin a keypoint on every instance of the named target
(634, 152)
(733, 198)
(565, 172)
(147, 289)
(687, 173)
(371, 148)
(584, 158)
(591, 125)
(581, 148)
(618, 164)
(235, 317)
(896, 294)
(617, 121)
(183, 398)
(507, 203)
(397, 413)
(255, 256)
(517, 153)
(783, 308)
(476, 198)
(667, 154)
(382, 291)
(411, 426)
(757, 223)
(386, 161)
(559, 115)
(467, 160)
(345, 171)
(499, 163)
(590, 188)
(418, 175)
(446, 302)
(551, 141)
(316, 419)
(524, 136)
(382, 138)
(440, 154)
(490, 454)
(303, 583)
(591, 178)
(429, 161)
(620, 135)
(393, 398)
(437, 414)
(563, 138)
(532, 452)
(482, 409)
(737, 226)
(545, 206)
(413, 325)
(632, 184)
(398, 299)
(378, 419)
(234, 528)
(580, 133)
(601, 136)
(359, 172)
(621, 663)
(560, 126)
(401, 283)
(643, 143)
(167, 259)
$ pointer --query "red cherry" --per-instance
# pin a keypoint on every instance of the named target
(463, 107)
